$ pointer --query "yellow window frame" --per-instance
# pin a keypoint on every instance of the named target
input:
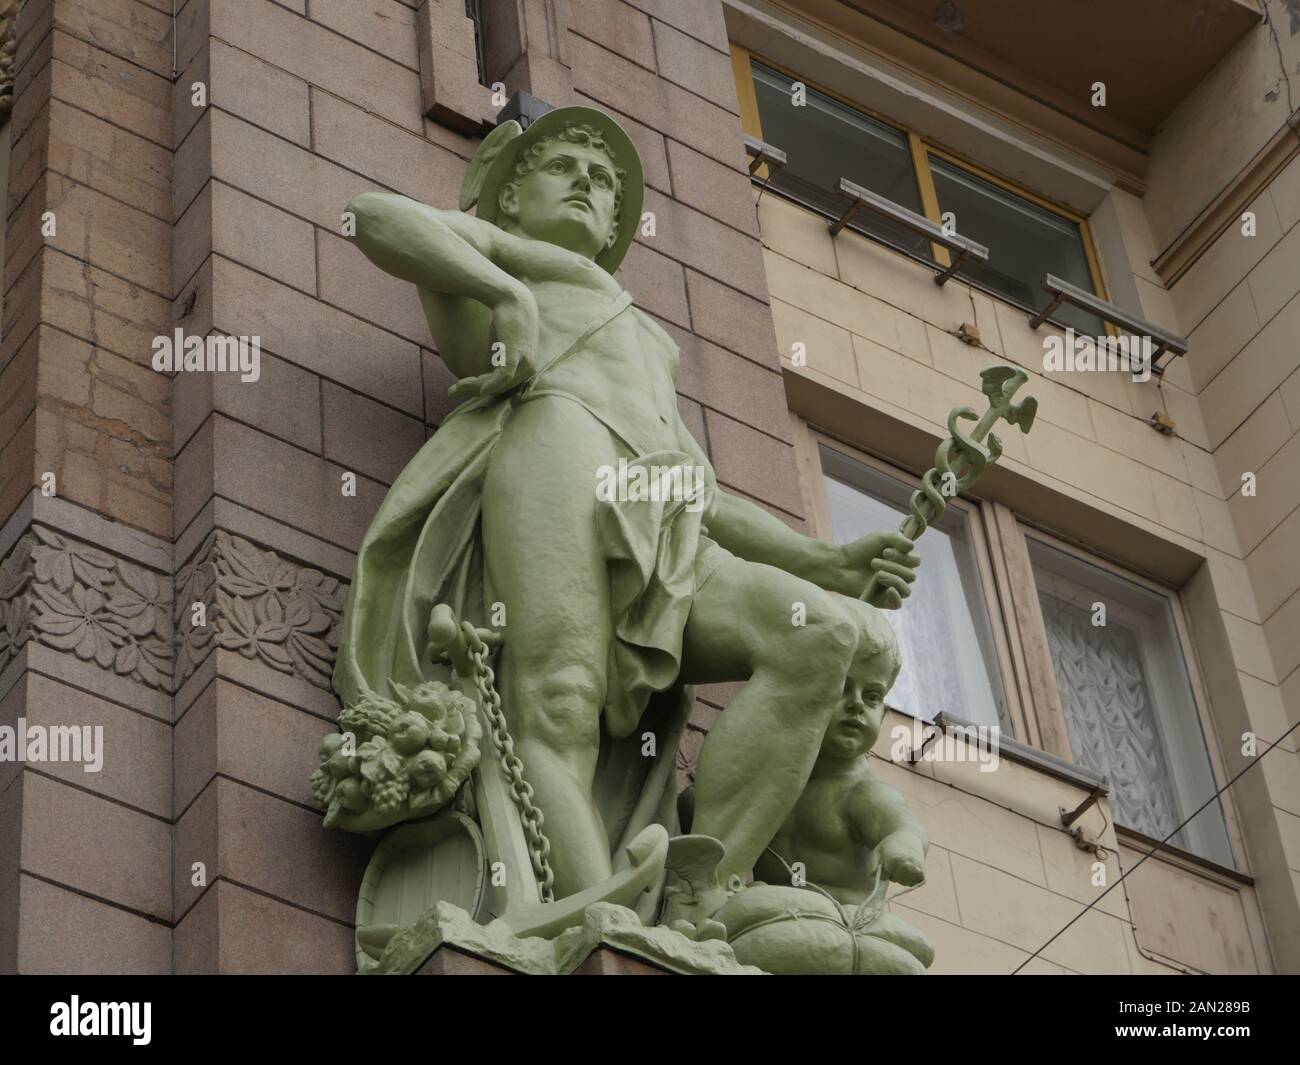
(920, 149)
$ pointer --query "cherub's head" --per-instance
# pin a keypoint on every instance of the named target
(567, 189)
(855, 722)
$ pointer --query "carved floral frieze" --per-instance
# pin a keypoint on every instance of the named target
(258, 604)
(74, 597)
(15, 599)
(8, 50)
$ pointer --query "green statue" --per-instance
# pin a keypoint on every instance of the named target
(848, 836)
(605, 604)
(560, 551)
(848, 825)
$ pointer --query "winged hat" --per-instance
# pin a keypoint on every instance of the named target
(493, 165)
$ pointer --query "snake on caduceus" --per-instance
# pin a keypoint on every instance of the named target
(960, 460)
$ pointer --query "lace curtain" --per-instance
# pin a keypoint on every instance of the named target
(1109, 714)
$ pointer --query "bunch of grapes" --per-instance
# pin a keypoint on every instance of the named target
(416, 749)
(388, 795)
(322, 786)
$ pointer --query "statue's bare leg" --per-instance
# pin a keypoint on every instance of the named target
(756, 760)
(545, 564)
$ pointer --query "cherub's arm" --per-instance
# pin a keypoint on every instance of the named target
(880, 818)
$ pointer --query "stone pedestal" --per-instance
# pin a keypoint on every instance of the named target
(448, 961)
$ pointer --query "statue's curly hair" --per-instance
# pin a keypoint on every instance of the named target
(575, 133)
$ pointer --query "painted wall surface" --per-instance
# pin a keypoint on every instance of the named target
(1002, 878)
(1238, 305)
(1245, 100)
(878, 331)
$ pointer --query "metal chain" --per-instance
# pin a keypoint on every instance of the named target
(539, 847)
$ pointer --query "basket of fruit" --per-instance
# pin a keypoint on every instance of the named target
(397, 759)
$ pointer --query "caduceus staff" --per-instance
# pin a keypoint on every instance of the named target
(961, 458)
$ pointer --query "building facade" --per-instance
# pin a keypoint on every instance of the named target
(1118, 596)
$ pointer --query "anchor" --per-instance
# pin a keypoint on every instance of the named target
(524, 901)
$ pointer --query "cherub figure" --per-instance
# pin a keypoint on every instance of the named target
(848, 825)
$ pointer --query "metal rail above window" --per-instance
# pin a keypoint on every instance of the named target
(966, 250)
(1064, 292)
(761, 152)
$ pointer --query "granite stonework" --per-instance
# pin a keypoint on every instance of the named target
(8, 47)
(86, 640)
(87, 570)
(204, 490)
(116, 614)
(253, 601)
(87, 610)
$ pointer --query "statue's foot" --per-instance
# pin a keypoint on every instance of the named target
(648, 853)
(692, 907)
(707, 929)
(692, 892)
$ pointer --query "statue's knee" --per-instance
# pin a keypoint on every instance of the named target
(564, 707)
(824, 644)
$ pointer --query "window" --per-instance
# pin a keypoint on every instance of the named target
(1127, 699)
(1025, 242)
(999, 629)
(474, 12)
(949, 661)
(826, 139)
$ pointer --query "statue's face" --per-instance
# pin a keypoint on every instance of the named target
(567, 199)
(855, 724)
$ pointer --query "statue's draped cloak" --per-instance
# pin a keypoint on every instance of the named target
(424, 547)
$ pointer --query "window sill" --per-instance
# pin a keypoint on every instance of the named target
(1054, 766)
(1183, 859)
(1024, 754)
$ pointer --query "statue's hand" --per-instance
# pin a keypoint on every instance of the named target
(889, 556)
(514, 330)
(901, 859)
